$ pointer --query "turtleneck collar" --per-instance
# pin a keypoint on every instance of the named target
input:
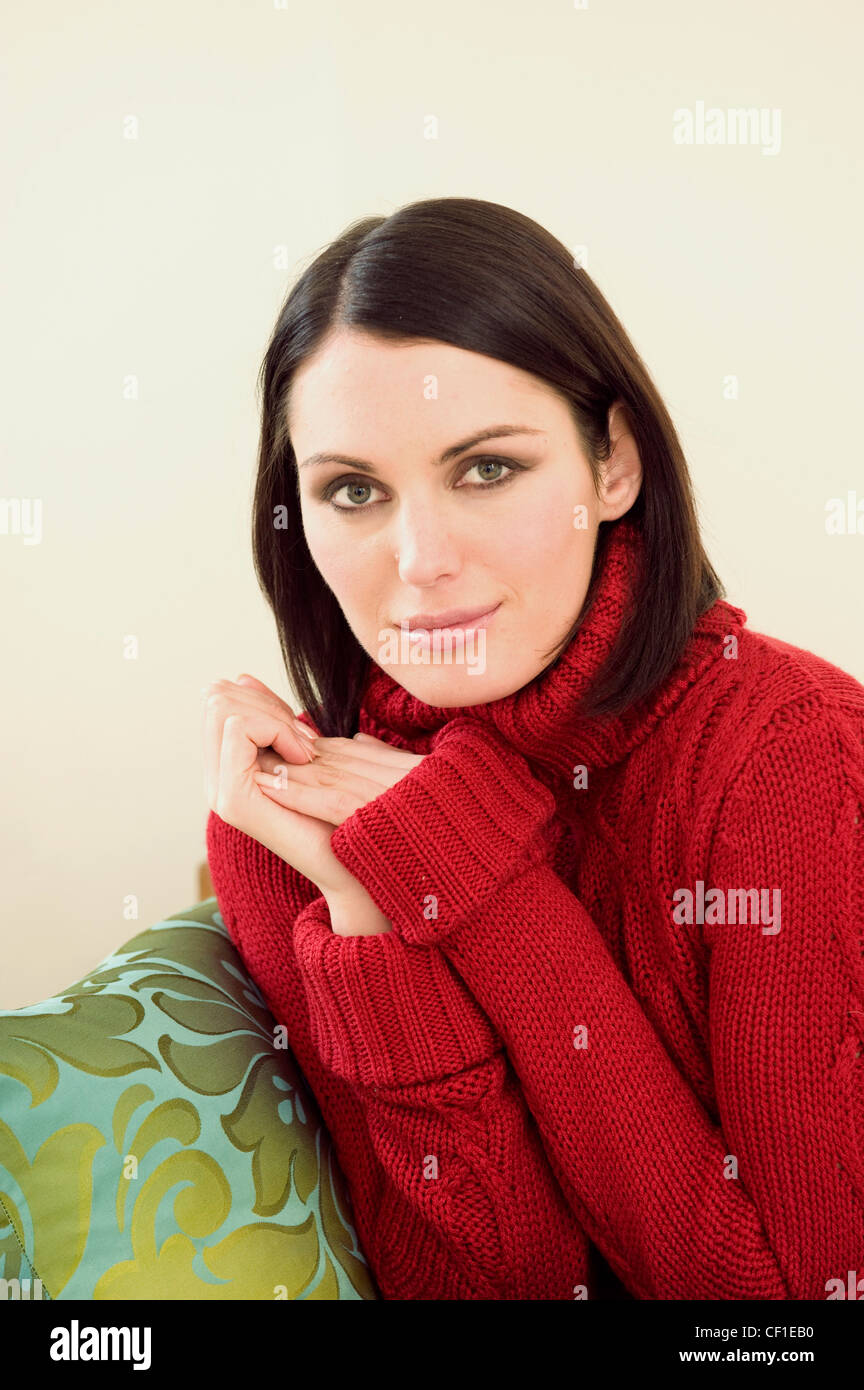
(542, 720)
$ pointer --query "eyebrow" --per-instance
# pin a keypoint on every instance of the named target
(491, 432)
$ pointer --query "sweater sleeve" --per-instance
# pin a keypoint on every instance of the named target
(469, 1207)
(769, 1202)
(452, 1191)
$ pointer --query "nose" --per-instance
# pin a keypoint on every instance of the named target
(425, 547)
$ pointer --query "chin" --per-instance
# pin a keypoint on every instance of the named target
(451, 687)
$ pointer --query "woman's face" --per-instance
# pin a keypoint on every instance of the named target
(417, 520)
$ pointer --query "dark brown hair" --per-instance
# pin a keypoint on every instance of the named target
(482, 277)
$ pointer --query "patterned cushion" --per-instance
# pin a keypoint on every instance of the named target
(155, 1143)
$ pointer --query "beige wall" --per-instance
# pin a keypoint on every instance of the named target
(261, 131)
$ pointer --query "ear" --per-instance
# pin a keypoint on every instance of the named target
(621, 474)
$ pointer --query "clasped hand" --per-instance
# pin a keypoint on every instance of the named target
(269, 778)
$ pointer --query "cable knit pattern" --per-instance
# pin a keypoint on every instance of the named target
(551, 1068)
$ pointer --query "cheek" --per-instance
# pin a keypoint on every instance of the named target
(347, 566)
(538, 538)
(331, 558)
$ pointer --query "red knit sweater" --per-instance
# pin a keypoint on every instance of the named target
(548, 1056)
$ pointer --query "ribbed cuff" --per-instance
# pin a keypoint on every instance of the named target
(430, 849)
(385, 1013)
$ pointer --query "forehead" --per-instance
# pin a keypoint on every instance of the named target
(374, 389)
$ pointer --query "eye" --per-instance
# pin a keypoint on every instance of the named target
(352, 487)
(486, 481)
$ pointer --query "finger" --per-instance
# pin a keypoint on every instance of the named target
(264, 728)
(363, 766)
(270, 761)
(333, 803)
(253, 685)
(238, 753)
(370, 773)
(371, 750)
(245, 679)
(238, 798)
(330, 807)
(258, 696)
(384, 774)
(320, 776)
(236, 756)
(276, 767)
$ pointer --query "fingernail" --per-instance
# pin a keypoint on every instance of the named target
(304, 730)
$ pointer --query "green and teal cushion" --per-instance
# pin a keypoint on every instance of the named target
(155, 1143)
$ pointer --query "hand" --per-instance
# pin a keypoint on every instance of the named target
(354, 771)
(347, 773)
(238, 723)
(247, 689)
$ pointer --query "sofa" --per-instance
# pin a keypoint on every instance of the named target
(155, 1143)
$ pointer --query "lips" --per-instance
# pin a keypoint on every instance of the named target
(453, 617)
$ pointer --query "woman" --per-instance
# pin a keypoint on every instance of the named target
(560, 908)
